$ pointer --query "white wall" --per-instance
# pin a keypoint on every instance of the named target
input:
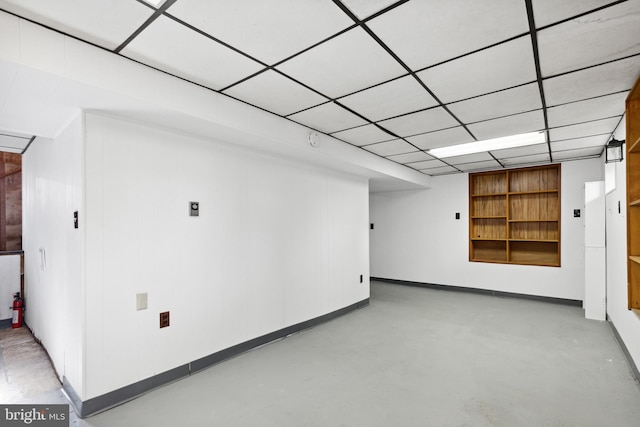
(626, 322)
(52, 173)
(276, 243)
(416, 238)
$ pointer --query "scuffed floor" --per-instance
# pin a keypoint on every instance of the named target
(25, 368)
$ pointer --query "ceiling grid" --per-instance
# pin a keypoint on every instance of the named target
(394, 78)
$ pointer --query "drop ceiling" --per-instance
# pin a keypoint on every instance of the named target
(394, 78)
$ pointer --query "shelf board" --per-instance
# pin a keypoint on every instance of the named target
(535, 240)
(488, 239)
(635, 203)
(533, 220)
(489, 217)
(635, 147)
(518, 193)
(635, 259)
(489, 195)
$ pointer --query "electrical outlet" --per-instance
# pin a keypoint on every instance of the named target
(361, 278)
(164, 319)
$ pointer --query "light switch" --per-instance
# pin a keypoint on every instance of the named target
(141, 301)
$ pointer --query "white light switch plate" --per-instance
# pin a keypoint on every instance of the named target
(141, 301)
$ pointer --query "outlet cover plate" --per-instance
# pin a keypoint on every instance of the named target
(164, 319)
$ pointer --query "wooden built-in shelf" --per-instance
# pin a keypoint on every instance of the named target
(514, 216)
(632, 117)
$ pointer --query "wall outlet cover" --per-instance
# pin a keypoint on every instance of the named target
(164, 319)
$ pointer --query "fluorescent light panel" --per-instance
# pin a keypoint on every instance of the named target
(513, 141)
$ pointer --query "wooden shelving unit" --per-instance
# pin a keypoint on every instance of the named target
(633, 195)
(515, 216)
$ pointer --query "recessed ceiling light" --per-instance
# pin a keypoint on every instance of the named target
(489, 145)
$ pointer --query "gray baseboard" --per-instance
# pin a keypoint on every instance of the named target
(563, 301)
(5, 323)
(625, 350)
(117, 397)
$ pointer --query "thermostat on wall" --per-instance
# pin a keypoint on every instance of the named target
(194, 208)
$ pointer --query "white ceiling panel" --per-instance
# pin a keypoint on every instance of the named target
(526, 160)
(400, 96)
(104, 23)
(478, 166)
(469, 158)
(425, 33)
(587, 110)
(427, 164)
(416, 156)
(506, 102)
(10, 142)
(439, 171)
(268, 30)
(441, 138)
(423, 121)
(363, 135)
(365, 8)
(328, 118)
(275, 92)
(548, 12)
(172, 47)
(598, 127)
(573, 144)
(344, 64)
(506, 65)
(591, 39)
(510, 125)
(521, 151)
(577, 154)
(390, 148)
(596, 81)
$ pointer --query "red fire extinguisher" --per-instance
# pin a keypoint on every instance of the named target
(18, 306)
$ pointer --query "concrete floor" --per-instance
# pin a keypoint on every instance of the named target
(414, 357)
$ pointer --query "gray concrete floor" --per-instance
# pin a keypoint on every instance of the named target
(414, 357)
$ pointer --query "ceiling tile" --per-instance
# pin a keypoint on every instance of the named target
(106, 24)
(500, 67)
(327, 118)
(573, 144)
(440, 171)
(270, 30)
(178, 50)
(548, 12)
(9, 141)
(469, 158)
(591, 39)
(400, 96)
(275, 92)
(344, 64)
(365, 8)
(596, 81)
(506, 102)
(588, 110)
(416, 156)
(441, 138)
(363, 135)
(521, 151)
(510, 125)
(425, 33)
(427, 164)
(423, 121)
(597, 127)
(477, 166)
(526, 160)
(389, 148)
(577, 154)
